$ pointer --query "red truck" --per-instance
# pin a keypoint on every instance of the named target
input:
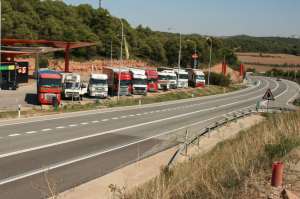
(113, 80)
(49, 87)
(152, 78)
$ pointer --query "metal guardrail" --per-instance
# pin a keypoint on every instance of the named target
(227, 118)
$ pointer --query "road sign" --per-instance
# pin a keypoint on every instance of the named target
(269, 95)
(195, 56)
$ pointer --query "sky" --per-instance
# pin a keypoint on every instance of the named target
(209, 17)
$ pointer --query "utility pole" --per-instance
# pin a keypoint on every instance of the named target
(210, 54)
(179, 58)
(121, 58)
(111, 56)
(100, 4)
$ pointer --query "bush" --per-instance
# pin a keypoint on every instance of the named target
(219, 79)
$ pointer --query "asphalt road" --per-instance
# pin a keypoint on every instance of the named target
(69, 149)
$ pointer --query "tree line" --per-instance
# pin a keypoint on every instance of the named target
(55, 20)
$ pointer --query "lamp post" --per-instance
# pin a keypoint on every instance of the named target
(210, 54)
(121, 59)
(179, 59)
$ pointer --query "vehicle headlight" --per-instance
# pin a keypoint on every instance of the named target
(93, 89)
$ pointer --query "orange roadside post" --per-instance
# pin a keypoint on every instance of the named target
(277, 174)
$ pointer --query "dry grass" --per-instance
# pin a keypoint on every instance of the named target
(269, 58)
(222, 173)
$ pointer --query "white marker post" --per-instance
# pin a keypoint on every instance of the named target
(19, 111)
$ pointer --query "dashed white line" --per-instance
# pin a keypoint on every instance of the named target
(115, 118)
(45, 130)
(124, 116)
(31, 132)
(138, 114)
(60, 127)
(84, 123)
(131, 115)
(104, 120)
(13, 135)
(96, 121)
(73, 125)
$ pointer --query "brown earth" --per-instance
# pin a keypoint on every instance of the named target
(264, 62)
(235, 75)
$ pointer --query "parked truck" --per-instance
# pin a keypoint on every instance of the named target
(196, 78)
(163, 81)
(152, 80)
(139, 81)
(71, 86)
(49, 87)
(98, 86)
(182, 78)
(172, 78)
(113, 75)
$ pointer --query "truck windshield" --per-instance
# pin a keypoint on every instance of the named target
(172, 78)
(183, 76)
(139, 81)
(98, 81)
(125, 82)
(200, 77)
(161, 77)
(50, 82)
(72, 85)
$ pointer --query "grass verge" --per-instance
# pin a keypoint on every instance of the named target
(127, 101)
(223, 172)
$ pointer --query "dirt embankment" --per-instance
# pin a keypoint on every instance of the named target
(235, 75)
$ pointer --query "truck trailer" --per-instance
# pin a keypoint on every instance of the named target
(49, 87)
(113, 75)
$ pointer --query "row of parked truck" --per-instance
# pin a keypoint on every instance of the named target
(52, 86)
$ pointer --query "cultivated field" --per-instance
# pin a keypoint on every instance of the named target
(264, 62)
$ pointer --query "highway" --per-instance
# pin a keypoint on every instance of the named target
(72, 148)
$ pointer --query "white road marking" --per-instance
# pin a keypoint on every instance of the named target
(45, 130)
(115, 118)
(124, 116)
(96, 121)
(31, 132)
(61, 164)
(73, 125)
(104, 120)
(131, 115)
(13, 135)
(60, 127)
(84, 123)
(138, 114)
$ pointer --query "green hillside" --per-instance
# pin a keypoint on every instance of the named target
(55, 20)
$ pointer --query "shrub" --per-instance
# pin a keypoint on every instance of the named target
(219, 79)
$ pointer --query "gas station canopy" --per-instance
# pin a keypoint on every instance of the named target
(9, 48)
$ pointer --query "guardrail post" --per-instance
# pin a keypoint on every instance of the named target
(186, 142)
(208, 131)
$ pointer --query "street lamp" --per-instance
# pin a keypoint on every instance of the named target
(179, 59)
(121, 59)
(209, 66)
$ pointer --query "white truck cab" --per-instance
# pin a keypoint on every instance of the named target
(98, 86)
(163, 81)
(172, 78)
(196, 78)
(71, 86)
(139, 81)
(182, 78)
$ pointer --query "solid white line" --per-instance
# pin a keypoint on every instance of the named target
(45, 130)
(72, 161)
(13, 135)
(31, 132)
